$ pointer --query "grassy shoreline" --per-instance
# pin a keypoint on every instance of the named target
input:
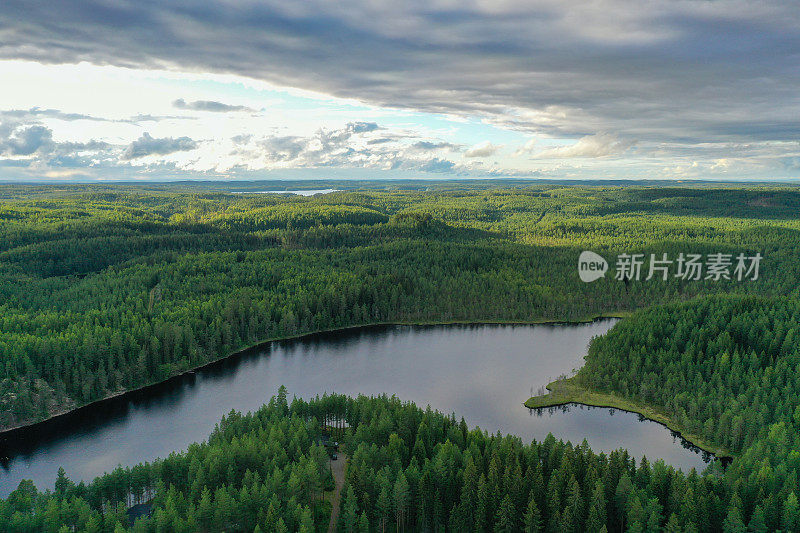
(5, 432)
(566, 391)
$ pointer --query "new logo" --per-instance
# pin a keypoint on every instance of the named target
(591, 266)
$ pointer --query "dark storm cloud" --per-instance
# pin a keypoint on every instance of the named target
(148, 145)
(208, 105)
(650, 71)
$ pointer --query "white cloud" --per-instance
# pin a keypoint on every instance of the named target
(148, 145)
(599, 145)
(74, 130)
(526, 148)
(484, 149)
(209, 105)
(721, 164)
(26, 140)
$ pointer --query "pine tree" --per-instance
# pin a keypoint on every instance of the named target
(363, 523)
(383, 506)
(62, 484)
(481, 510)
(637, 517)
(306, 521)
(281, 526)
(790, 521)
(733, 521)
(506, 519)
(401, 490)
(350, 511)
(621, 497)
(573, 514)
(673, 525)
(653, 512)
(758, 523)
(597, 509)
(533, 518)
(205, 510)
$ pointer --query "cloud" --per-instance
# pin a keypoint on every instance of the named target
(339, 136)
(344, 148)
(30, 145)
(526, 148)
(209, 105)
(283, 148)
(791, 163)
(361, 127)
(241, 139)
(429, 145)
(36, 112)
(25, 140)
(437, 165)
(599, 145)
(146, 117)
(721, 164)
(659, 71)
(91, 146)
(484, 149)
(148, 145)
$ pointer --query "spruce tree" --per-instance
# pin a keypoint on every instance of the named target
(533, 517)
(506, 519)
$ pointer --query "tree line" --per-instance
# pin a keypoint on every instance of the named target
(107, 289)
(410, 469)
(724, 367)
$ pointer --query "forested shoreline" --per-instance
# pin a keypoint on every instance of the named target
(106, 291)
(409, 469)
(20, 430)
(726, 368)
(110, 291)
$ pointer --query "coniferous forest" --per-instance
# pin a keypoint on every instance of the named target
(104, 289)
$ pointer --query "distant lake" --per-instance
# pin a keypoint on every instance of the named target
(304, 192)
(481, 372)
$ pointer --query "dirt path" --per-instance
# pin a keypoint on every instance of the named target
(337, 467)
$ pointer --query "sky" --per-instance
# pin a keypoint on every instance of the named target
(242, 89)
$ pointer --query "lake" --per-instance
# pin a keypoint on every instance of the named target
(481, 372)
(299, 192)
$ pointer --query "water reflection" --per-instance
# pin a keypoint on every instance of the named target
(483, 373)
(677, 438)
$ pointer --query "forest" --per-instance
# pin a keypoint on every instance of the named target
(105, 289)
(410, 469)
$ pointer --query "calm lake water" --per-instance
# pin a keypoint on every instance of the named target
(483, 373)
(300, 192)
